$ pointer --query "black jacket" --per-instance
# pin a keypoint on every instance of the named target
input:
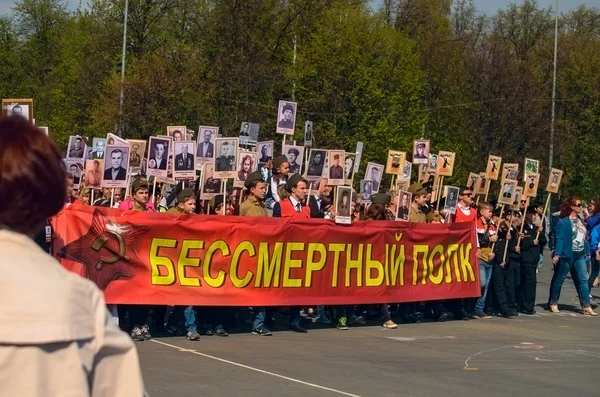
(315, 212)
(512, 256)
(530, 253)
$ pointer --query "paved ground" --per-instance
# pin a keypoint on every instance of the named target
(540, 355)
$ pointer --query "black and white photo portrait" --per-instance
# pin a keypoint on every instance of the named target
(74, 170)
(185, 160)
(407, 170)
(374, 172)
(316, 162)
(98, 145)
(178, 133)
(366, 190)
(404, 200)
(18, 107)
(247, 164)
(265, 152)
(349, 167)
(336, 171)
(115, 163)
(286, 117)
(507, 192)
(308, 133)
(138, 149)
(77, 148)
(211, 186)
(344, 201)
(206, 145)
(249, 133)
(510, 171)
(433, 159)
(226, 150)
(420, 152)
(294, 154)
(158, 157)
(452, 193)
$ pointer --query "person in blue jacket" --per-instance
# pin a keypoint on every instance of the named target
(570, 252)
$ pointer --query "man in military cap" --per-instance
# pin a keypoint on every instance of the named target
(419, 196)
(292, 156)
(335, 170)
(292, 207)
(288, 115)
(255, 203)
(420, 153)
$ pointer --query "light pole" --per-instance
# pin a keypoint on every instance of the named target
(553, 120)
(120, 130)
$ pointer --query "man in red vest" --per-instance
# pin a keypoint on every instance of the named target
(292, 207)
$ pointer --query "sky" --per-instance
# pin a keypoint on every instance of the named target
(487, 6)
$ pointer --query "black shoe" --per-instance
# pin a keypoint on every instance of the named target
(262, 331)
(146, 332)
(528, 312)
(507, 315)
(298, 328)
(513, 313)
(208, 331)
(171, 329)
(221, 332)
(137, 334)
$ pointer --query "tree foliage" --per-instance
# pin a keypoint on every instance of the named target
(472, 83)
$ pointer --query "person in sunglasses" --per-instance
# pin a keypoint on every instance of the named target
(569, 256)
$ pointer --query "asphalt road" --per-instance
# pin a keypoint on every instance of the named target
(541, 355)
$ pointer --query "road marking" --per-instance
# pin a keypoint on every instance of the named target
(414, 338)
(466, 368)
(183, 350)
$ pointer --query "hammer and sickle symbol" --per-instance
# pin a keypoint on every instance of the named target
(120, 254)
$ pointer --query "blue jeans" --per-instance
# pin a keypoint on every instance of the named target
(190, 318)
(485, 274)
(578, 269)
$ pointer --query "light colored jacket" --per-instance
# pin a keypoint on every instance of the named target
(56, 336)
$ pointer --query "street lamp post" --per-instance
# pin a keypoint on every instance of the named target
(553, 120)
(121, 97)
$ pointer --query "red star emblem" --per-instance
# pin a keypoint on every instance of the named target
(106, 250)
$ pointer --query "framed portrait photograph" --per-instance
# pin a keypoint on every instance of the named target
(402, 184)
(77, 149)
(316, 163)
(407, 170)
(178, 133)
(554, 180)
(532, 180)
(492, 170)
(265, 151)
(508, 188)
(294, 154)
(210, 186)
(366, 190)
(404, 200)
(205, 149)
(510, 171)
(336, 171)
(74, 169)
(480, 186)
(157, 164)
(343, 205)
(451, 202)
(115, 166)
(308, 133)
(247, 164)
(22, 107)
(349, 167)
(136, 153)
(532, 166)
(226, 151)
(425, 173)
(94, 173)
(516, 204)
(395, 162)
(98, 146)
(472, 180)
(286, 117)
(184, 165)
(359, 150)
(249, 133)
(112, 139)
(374, 172)
(433, 160)
(420, 151)
(445, 163)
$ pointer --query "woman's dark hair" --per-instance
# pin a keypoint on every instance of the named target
(565, 207)
(596, 203)
(376, 212)
(32, 176)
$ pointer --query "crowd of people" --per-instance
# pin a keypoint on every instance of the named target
(510, 250)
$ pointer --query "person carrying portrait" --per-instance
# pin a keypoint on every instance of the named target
(503, 272)
(531, 248)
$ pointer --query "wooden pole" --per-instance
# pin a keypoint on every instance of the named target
(112, 197)
(224, 187)
(310, 185)
(154, 193)
(439, 193)
(537, 237)
(92, 197)
(523, 220)
(501, 213)
(507, 240)
(392, 184)
(488, 182)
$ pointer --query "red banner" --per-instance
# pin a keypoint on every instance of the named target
(156, 258)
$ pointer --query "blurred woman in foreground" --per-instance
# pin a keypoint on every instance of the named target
(56, 337)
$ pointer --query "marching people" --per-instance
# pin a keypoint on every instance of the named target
(55, 323)
(279, 177)
(531, 248)
(486, 235)
(255, 206)
(292, 207)
(502, 272)
(570, 252)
